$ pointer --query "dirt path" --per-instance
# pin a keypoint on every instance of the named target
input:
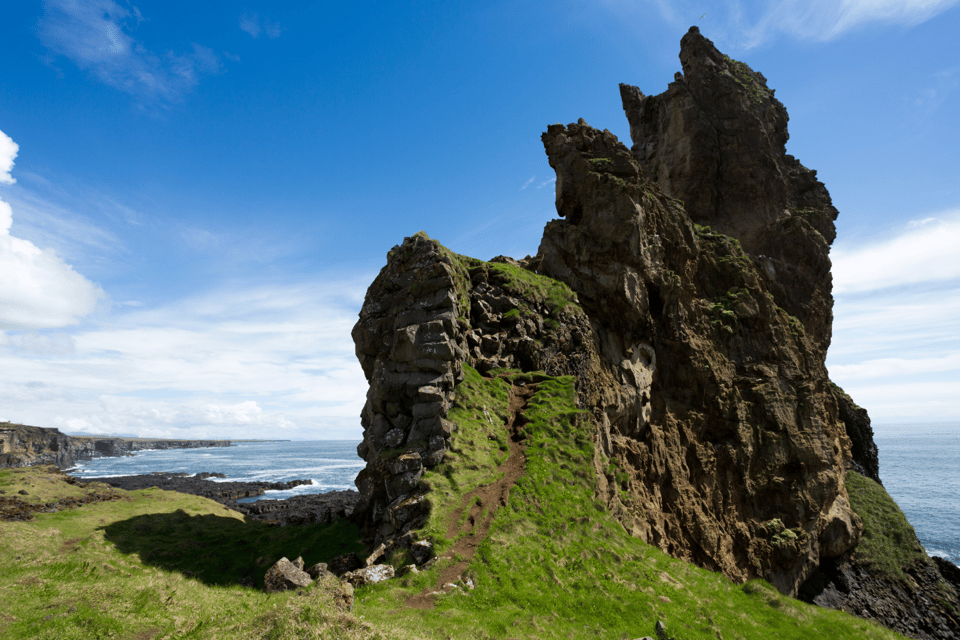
(481, 504)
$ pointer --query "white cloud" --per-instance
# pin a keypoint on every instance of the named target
(896, 331)
(527, 183)
(242, 362)
(93, 34)
(38, 290)
(252, 24)
(546, 182)
(8, 153)
(927, 252)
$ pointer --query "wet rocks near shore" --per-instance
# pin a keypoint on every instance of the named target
(317, 508)
(305, 509)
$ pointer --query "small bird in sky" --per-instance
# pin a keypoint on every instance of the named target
(704, 13)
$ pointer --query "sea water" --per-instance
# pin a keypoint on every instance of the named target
(918, 467)
(330, 465)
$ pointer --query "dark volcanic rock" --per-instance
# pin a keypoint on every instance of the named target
(949, 571)
(344, 564)
(199, 485)
(744, 382)
(865, 457)
(318, 508)
(716, 140)
(923, 606)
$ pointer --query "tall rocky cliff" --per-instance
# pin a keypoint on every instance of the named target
(687, 286)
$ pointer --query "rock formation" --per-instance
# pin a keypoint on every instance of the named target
(687, 287)
(22, 445)
(715, 139)
(865, 457)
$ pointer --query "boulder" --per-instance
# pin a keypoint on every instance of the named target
(421, 551)
(319, 570)
(286, 575)
(369, 575)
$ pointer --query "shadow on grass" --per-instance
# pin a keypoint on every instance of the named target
(225, 551)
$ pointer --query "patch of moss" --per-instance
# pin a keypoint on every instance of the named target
(529, 287)
(744, 76)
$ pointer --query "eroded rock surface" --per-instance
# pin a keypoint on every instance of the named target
(687, 287)
(285, 576)
(864, 454)
(921, 606)
(721, 411)
(716, 140)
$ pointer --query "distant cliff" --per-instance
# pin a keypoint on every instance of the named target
(23, 445)
(687, 287)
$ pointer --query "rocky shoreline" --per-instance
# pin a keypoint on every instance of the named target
(305, 509)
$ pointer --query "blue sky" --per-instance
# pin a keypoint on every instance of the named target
(194, 200)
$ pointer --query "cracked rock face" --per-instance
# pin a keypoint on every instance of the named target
(698, 351)
(716, 140)
(717, 404)
(410, 342)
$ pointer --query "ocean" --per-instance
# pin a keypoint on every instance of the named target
(918, 466)
(331, 465)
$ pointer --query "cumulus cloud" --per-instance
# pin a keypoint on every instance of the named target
(39, 290)
(8, 153)
(255, 26)
(94, 35)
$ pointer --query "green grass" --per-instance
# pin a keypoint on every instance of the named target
(889, 544)
(157, 564)
(556, 565)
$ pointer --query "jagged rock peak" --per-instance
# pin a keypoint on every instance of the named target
(716, 139)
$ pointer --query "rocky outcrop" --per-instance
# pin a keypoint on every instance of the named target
(428, 312)
(23, 445)
(920, 606)
(716, 140)
(687, 287)
(721, 412)
(410, 341)
(864, 454)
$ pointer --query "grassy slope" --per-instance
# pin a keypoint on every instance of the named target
(157, 564)
(889, 544)
(556, 565)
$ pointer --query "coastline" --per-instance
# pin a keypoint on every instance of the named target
(24, 445)
(320, 508)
